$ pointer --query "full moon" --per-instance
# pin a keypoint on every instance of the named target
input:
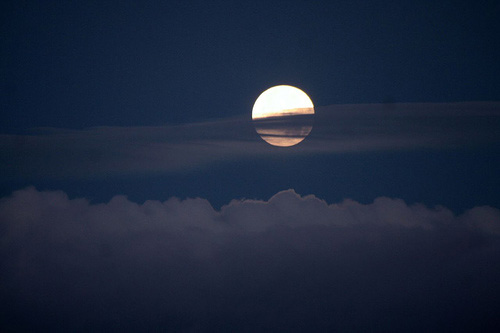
(283, 115)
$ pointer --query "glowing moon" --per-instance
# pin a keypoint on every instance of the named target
(283, 115)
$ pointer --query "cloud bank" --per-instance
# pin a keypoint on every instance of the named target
(292, 263)
(103, 151)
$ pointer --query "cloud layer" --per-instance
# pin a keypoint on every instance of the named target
(101, 151)
(291, 263)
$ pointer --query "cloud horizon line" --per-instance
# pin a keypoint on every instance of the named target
(310, 200)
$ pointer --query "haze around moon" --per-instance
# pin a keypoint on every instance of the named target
(283, 115)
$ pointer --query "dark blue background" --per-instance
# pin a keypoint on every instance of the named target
(78, 64)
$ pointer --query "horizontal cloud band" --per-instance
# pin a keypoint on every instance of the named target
(102, 151)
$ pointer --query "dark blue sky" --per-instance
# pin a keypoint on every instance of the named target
(385, 218)
(80, 64)
(76, 65)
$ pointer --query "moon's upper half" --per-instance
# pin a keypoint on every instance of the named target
(283, 115)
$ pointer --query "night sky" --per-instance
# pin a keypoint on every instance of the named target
(136, 194)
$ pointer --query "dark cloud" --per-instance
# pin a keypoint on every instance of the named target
(101, 151)
(291, 263)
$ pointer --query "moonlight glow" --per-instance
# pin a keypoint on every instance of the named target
(283, 115)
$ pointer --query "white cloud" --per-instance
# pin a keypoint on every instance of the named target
(283, 263)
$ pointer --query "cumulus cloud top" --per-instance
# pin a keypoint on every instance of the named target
(289, 263)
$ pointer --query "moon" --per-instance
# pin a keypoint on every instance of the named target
(283, 115)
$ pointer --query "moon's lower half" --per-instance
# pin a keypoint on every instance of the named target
(284, 131)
